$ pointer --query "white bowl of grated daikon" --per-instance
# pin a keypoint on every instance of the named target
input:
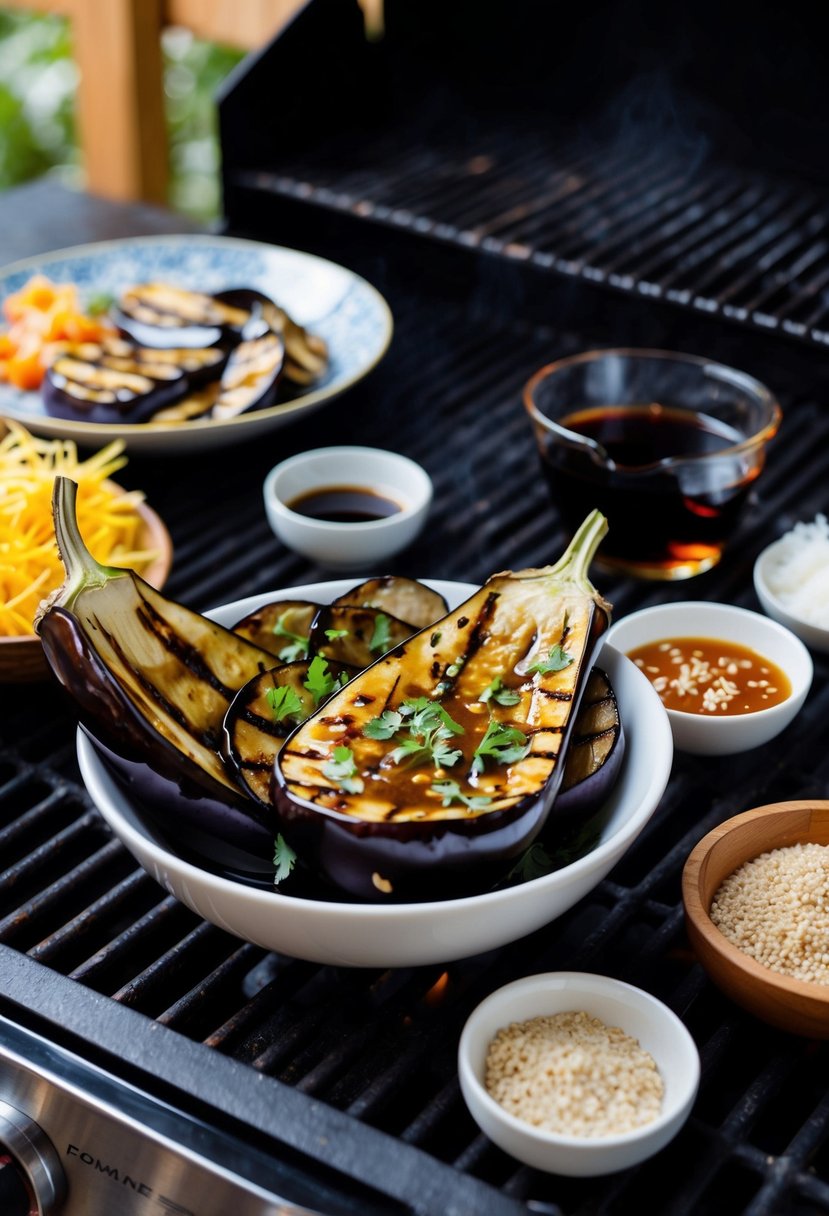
(791, 578)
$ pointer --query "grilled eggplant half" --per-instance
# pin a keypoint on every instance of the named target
(283, 628)
(405, 598)
(114, 381)
(150, 679)
(437, 766)
(595, 754)
(267, 709)
(356, 636)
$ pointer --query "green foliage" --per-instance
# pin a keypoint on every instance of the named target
(38, 78)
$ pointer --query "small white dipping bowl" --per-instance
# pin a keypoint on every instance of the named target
(348, 546)
(706, 734)
(637, 1013)
(814, 636)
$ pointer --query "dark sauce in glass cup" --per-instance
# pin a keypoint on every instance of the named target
(666, 446)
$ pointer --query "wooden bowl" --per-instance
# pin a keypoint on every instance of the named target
(21, 658)
(793, 1005)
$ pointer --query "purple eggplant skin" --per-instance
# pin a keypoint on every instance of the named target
(181, 806)
(397, 862)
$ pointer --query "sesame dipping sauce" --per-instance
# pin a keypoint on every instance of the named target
(711, 676)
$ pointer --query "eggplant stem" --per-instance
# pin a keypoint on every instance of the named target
(574, 563)
(82, 569)
(572, 567)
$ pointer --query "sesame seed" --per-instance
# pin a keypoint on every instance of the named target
(571, 1073)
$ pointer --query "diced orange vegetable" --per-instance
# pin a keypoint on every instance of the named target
(42, 316)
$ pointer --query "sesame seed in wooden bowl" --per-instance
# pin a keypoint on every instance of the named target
(771, 918)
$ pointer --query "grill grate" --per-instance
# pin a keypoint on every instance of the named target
(380, 1046)
(727, 242)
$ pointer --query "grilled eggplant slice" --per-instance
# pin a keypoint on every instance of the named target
(114, 381)
(405, 598)
(356, 636)
(163, 315)
(151, 679)
(267, 709)
(437, 766)
(251, 376)
(283, 628)
(306, 354)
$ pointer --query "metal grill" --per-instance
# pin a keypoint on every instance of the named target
(726, 242)
(379, 1047)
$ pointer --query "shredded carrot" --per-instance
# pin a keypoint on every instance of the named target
(42, 318)
(30, 566)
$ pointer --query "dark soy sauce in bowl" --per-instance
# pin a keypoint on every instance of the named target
(344, 505)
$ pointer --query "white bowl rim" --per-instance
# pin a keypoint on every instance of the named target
(588, 982)
(418, 499)
(623, 836)
(723, 611)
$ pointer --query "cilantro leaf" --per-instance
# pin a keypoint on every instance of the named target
(451, 792)
(298, 643)
(384, 727)
(342, 769)
(333, 634)
(503, 744)
(534, 863)
(381, 634)
(496, 691)
(284, 858)
(284, 702)
(422, 729)
(319, 680)
(556, 660)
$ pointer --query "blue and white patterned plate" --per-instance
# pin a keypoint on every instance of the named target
(331, 301)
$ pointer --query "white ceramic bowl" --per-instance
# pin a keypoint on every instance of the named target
(722, 736)
(348, 546)
(406, 935)
(638, 1013)
(814, 637)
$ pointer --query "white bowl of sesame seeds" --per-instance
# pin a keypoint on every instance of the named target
(730, 679)
(577, 1074)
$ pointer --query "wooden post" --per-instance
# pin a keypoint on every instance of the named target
(117, 46)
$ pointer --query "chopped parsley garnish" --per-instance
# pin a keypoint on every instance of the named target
(429, 729)
(298, 644)
(496, 691)
(503, 744)
(342, 769)
(319, 680)
(381, 635)
(451, 792)
(556, 660)
(333, 634)
(284, 702)
(284, 859)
